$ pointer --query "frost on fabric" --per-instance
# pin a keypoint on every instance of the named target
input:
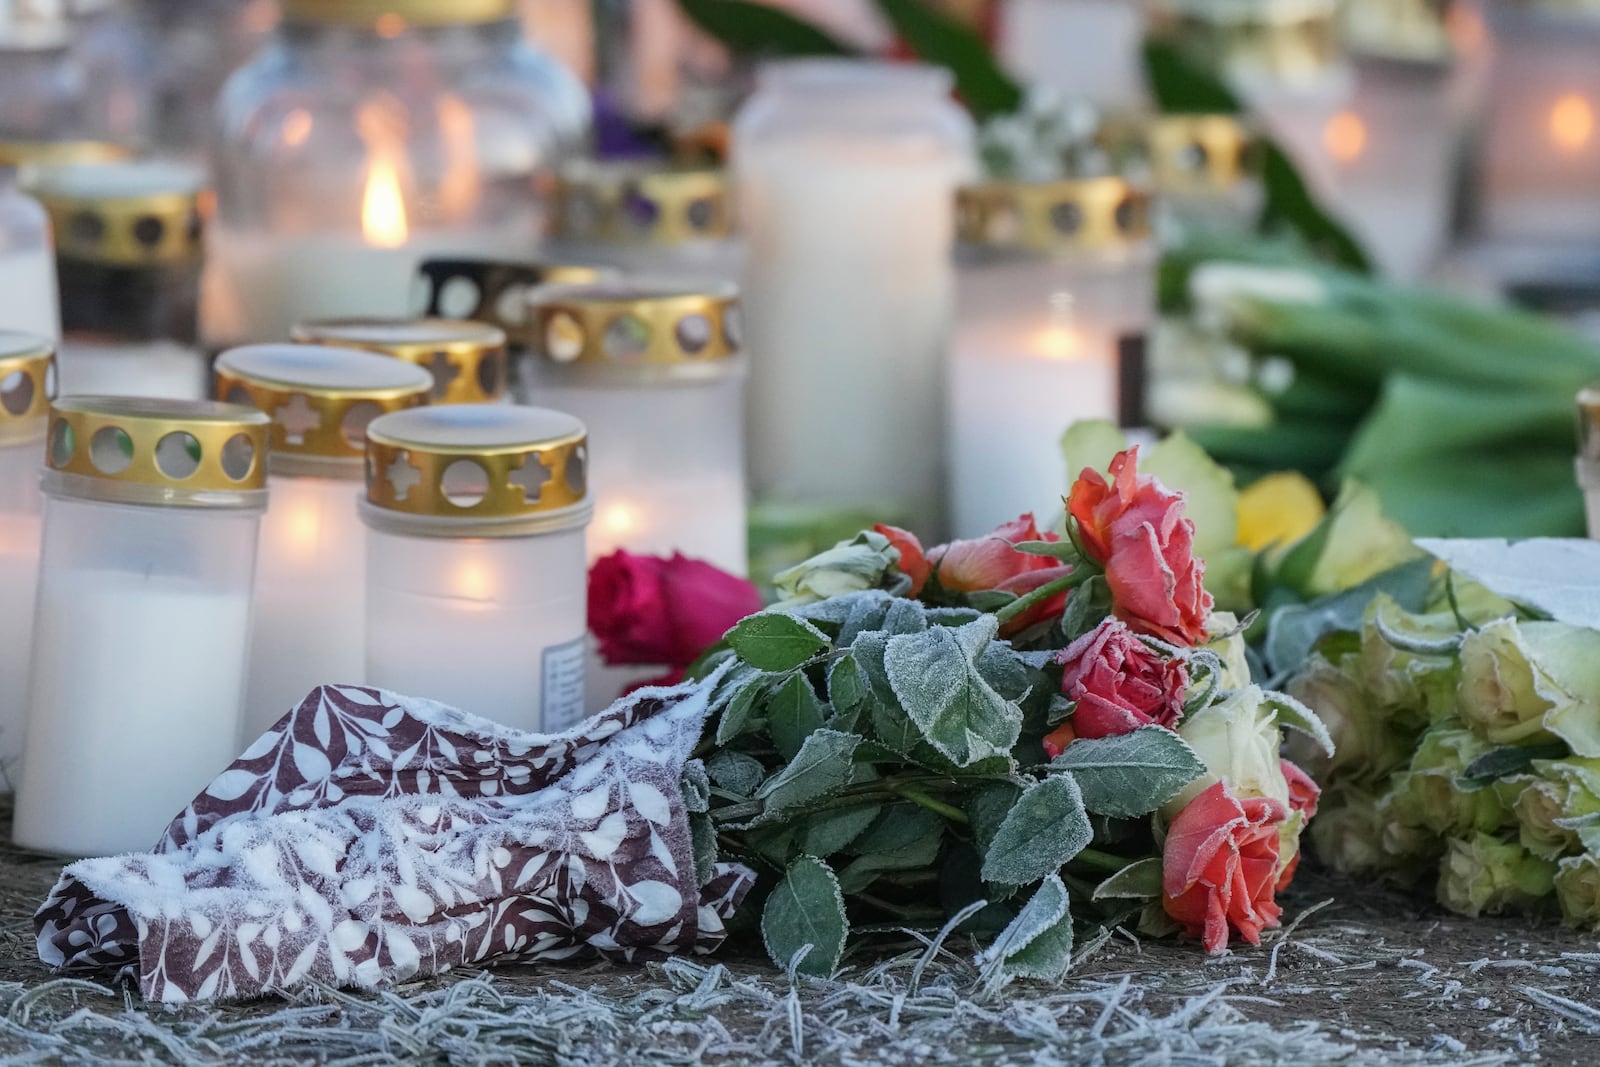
(370, 837)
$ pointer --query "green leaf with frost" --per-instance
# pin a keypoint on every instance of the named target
(905, 837)
(793, 712)
(847, 689)
(935, 677)
(821, 768)
(1043, 831)
(1139, 880)
(806, 909)
(735, 772)
(1293, 715)
(1129, 775)
(776, 641)
(1038, 943)
(832, 831)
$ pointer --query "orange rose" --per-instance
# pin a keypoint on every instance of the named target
(1136, 529)
(1220, 866)
(985, 563)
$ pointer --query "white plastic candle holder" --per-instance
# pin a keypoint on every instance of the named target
(466, 359)
(28, 301)
(310, 592)
(142, 628)
(1084, 49)
(476, 570)
(25, 388)
(1056, 293)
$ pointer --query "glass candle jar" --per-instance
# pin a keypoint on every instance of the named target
(1083, 49)
(494, 292)
(476, 576)
(25, 387)
(370, 135)
(654, 372)
(1205, 169)
(1589, 454)
(194, 46)
(675, 224)
(128, 262)
(28, 299)
(143, 621)
(310, 599)
(846, 173)
(1057, 289)
(466, 359)
(42, 86)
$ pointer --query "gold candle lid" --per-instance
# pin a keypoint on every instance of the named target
(383, 14)
(127, 214)
(1087, 214)
(321, 399)
(1200, 154)
(1412, 31)
(635, 325)
(631, 204)
(27, 381)
(137, 450)
(1589, 423)
(1293, 41)
(496, 291)
(59, 153)
(467, 359)
(477, 470)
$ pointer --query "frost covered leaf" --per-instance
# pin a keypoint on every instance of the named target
(735, 698)
(1137, 881)
(847, 689)
(822, 767)
(1293, 715)
(703, 839)
(696, 785)
(904, 837)
(807, 908)
(935, 677)
(1132, 774)
(828, 832)
(1558, 577)
(1044, 829)
(793, 712)
(735, 772)
(1038, 943)
(776, 641)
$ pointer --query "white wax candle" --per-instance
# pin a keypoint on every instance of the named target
(310, 608)
(28, 292)
(847, 292)
(493, 626)
(148, 368)
(19, 570)
(120, 742)
(1015, 387)
(257, 286)
(1084, 49)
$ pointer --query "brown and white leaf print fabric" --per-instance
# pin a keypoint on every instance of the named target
(370, 838)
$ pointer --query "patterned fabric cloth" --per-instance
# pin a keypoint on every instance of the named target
(370, 838)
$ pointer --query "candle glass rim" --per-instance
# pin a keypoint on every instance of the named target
(460, 527)
(65, 485)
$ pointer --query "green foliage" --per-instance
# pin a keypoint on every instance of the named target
(1038, 943)
(776, 641)
(1132, 774)
(939, 39)
(807, 909)
(1045, 828)
(1139, 880)
(935, 677)
(754, 29)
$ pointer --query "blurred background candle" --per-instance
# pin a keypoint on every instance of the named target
(1205, 170)
(310, 600)
(466, 359)
(142, 628)
(1083, 49)
(42, 87)
(846, 174)
(476, 576)
(366, 138)
(128, 263)
(24, 407)
(28, 299)
(1056, 290)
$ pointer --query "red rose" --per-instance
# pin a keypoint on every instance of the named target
(648, 610)
(1303, 792)
(1136, 529)
(913, 563)
(1120, 683)
(1220, 866)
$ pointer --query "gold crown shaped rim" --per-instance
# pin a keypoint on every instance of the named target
(596, 203)
(1084, 213)
(60, 153)
(588, 325)
(332, 436)
(33, 358)
(1228, 151)
(76, 421)
(1404, 30)
(1589, 422)
(157, 228)
(477, 359)
(564, 458)
(405, 12)
(1296, 42)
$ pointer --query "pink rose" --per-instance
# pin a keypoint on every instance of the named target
(1220, 866)
(1119, 683)
(913, 563)
(1136, 529)
(986, 563)
(648, 610)
(1303, 792)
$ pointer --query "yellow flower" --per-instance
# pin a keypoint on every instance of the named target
(1278, 509)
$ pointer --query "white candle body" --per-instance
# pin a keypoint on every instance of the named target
(257, 286)
(310, 606)
(1083, 49)
(134, 368)
(694, 264)
(847, 293)
(28, 292)
(19, 570)
(137, 685)
(493, 626)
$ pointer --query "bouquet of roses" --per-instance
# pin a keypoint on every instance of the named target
(1014, 737)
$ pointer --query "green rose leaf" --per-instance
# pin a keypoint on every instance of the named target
(1047, 827)
(735, 772)
(807, 909)
(847, 688)
(775, 641)
(793, 712)
(822, 767)
(1038, 943)
(735, 698)
(1505, 761)
(1293, 715)
(1140, 880)
(1131, 774)
(904, 838)
(935, 677)
(703, 839)
(828, 832)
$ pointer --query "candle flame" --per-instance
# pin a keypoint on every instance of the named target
(304, 530)
(459, 188)
(620, 519)
(473, 581)
(383, 210)
(1061, 338)
(1345, 137)
(1572, 122)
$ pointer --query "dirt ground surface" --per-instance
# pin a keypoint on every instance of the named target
(1362, 975)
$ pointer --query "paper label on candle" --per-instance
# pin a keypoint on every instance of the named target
(563, 686)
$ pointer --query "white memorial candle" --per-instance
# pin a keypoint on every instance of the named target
(1083, 49)
(143, 619)
(476, 577)
(27, 265)
(466, 359)
(310, 606)
(24, 405)
(846, 175)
